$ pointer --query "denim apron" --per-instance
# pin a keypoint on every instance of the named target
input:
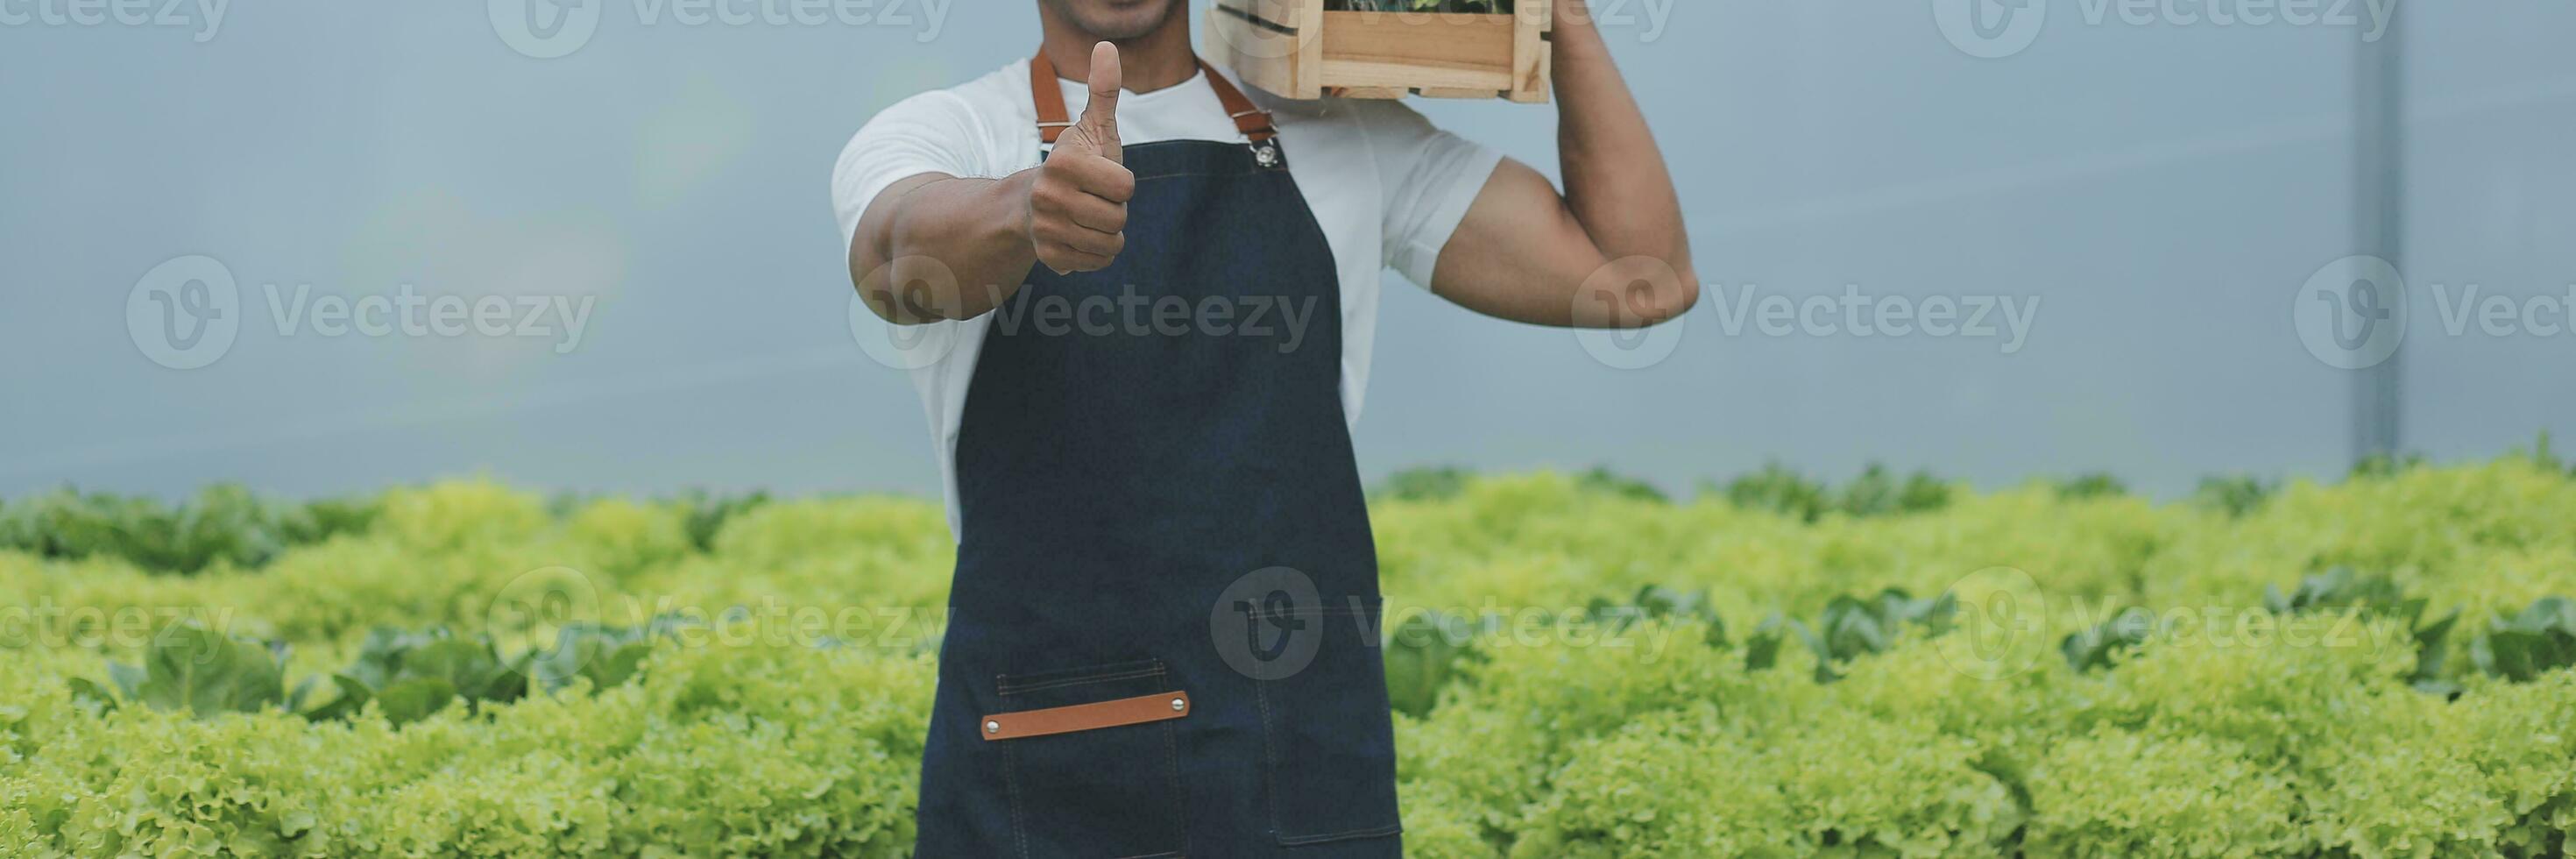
(1163, 633)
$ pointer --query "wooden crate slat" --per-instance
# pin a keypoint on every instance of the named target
(1296, 49)
(1360, 74)
(1271, 44)
(1444, 92)
(1464, 42)
(1531, 52)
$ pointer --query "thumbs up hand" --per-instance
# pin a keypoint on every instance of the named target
(1078, 205)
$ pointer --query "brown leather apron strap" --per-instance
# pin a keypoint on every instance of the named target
(1052, 120)
(1251, 120)
(1086, 717)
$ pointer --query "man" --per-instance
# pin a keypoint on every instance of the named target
(1162, 638)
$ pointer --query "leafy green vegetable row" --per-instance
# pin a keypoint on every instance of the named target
(2217, 736)
(407, 676)
(228, 524)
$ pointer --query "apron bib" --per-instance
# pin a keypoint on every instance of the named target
(1163, 632)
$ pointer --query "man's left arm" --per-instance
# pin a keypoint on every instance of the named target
(1610, 252)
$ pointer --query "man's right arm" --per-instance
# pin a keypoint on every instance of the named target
(936, 247)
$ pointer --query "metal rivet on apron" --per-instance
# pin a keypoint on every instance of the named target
(1179, 704)
(992, 727)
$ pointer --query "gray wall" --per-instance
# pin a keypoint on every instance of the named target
(2163, 190)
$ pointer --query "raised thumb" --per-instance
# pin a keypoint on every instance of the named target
(1100, 115)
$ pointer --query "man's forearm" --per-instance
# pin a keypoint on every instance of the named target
(1615, 180)
(944, 248)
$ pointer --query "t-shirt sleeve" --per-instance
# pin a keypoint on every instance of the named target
(934, 132)
(1429, 177)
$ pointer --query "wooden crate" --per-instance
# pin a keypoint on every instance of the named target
(1296, 49)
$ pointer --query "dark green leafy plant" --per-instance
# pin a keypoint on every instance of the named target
(1780, 490)
(191, 668)
(2096, 485)
(708, 513)
(412, 675)
(1659, 603)
(1850, 628)
(607, 656)
(2102, 645)
(2341, 589)
(2234, 495)
(1423, 656)
(2385, 465)
(1430, 650)
(1602, 479)
(224, 523)
(407, 675)
(1424, 484)
(1876, 492)
(2537, 641)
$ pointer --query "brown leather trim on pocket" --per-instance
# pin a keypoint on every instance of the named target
(1085, 717)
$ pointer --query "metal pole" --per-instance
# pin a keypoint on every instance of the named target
(2379, 192)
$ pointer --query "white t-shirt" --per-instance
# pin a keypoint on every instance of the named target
(1388, 188)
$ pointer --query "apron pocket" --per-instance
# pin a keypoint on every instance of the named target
(1331, 736)
(1092, 760)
